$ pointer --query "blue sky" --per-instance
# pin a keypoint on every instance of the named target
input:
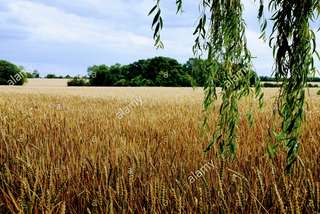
(67, 36)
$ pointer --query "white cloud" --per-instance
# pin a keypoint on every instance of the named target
(46, 23)
(60, 33)
(54, 24)
(263, 60)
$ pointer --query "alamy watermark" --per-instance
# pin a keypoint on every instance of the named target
(200, 172)
(16, 78)
(122, 112)
(235, 78)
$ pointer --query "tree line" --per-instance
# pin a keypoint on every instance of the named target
(160, 71)
(157, 71)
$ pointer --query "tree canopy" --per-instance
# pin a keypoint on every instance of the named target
(157, 71)
(10, 74)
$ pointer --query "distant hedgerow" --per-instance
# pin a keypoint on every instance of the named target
(78, 81)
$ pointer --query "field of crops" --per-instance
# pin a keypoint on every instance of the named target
(140, 150)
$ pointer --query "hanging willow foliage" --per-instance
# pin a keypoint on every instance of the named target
(221, 33)
(294, 48)
(229, 64)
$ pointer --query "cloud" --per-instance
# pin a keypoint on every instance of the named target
(263, 60)
(68, 36)
(104, 29)
(50, 24)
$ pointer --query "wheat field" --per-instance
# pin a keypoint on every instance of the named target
(140, 150)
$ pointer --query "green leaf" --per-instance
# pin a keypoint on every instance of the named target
(272, 150)
(153, 9)
(156, 18)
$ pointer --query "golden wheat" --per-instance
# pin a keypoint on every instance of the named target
(63, 150)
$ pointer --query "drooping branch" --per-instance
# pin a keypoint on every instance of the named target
(294, 46)
(157, 24)
(231, 66)
(221, 33)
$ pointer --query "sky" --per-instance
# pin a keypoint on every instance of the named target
(68, 36)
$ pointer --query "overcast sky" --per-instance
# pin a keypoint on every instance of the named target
(67, 36)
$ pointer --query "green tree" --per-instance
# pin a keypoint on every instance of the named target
(158, 71)
(138, 68)
(78, 81)
(221, 33)
(196, 67)
(51, 76)
(97, 74)
(35, 74)
(11, 74)
(28, 75)
(164, 71)
(103, 75)
(116, 74)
